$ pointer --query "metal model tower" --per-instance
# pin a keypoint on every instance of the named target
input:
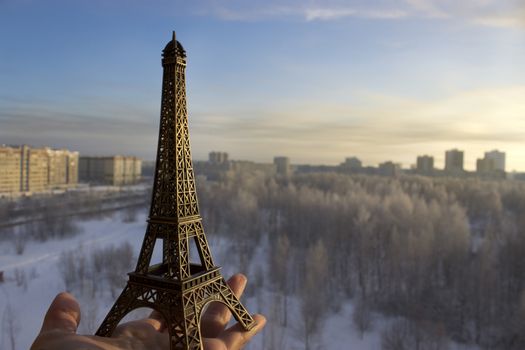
(176, 288)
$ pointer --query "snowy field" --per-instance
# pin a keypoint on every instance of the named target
(34, 278)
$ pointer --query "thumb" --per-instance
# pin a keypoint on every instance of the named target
(63, 314)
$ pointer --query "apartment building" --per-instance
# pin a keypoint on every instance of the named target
(112, 170)
(28, 169)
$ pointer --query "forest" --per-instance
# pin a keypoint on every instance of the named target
(440, 259)
(442, 256)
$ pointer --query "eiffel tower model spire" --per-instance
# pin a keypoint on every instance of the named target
(176, 288)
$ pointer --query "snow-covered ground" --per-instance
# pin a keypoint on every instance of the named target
(38, 268)
(39, 264)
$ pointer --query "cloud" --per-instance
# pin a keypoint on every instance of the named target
(427, 8)
(377, 128)
(39, 124)
(491, 13)
(469, 115)
(312, 14)
(502, 21)
(313, 11)
(319, 13)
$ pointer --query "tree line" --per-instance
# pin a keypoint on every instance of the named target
(444, 254)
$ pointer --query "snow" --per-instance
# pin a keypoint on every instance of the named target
(39, 263)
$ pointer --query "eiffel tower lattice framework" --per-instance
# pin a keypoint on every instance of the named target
(176, 288)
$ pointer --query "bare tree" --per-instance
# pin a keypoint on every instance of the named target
(89, 316)
(313, 305)
(68, 269)
(120, 262)
(130, 214)
(279, 265)
(411, 335)
(243, 219)
(362, 317)
(10, 326)
(20, 278)
(19, 240)
(274, 337)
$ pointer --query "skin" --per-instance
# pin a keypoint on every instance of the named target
(59, 330)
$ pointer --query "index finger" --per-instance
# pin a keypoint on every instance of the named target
(236, 337)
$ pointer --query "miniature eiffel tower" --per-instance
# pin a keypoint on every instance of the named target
(176, 288)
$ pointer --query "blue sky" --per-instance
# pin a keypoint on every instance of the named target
(314, 80)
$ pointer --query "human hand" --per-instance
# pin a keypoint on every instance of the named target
(63, 317)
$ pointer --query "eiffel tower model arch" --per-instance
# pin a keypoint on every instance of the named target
(176, 288)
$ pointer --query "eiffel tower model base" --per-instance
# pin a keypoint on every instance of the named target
(184, 302)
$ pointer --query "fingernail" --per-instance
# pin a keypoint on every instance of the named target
(242, 278)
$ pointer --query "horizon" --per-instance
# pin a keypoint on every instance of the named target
(262, 161)
(315, 82)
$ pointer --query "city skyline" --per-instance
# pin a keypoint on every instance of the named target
(220, 156)
(316, 81)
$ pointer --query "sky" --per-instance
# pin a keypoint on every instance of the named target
(317, 81)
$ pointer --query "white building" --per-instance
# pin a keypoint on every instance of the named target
(498, 159)
(454, 161)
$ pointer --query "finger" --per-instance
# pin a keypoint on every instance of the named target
(160, 324)
(217, 315)
(156, 324)
(63, 314)
(213, 344)
(236, 337)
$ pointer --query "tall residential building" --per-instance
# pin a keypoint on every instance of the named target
(282, 166)
(454, 161)
(352, 163)
(28, 169)
(498, 159)
(113, 170)
(218, 157)
(425, 165)
(10, 170)
(63, 167)
(37, 169)
(492, 165)
(389, 169)
(484, 165)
